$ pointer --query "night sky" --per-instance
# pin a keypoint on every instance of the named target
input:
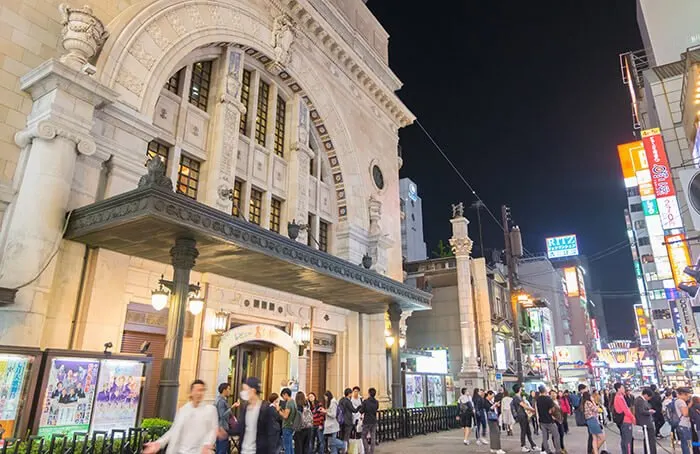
(526, 98)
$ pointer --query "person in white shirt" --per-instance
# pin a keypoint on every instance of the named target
(194, 429)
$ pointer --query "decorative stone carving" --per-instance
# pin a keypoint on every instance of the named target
(283, 34)
(156, 175)
(48, 130)
(130, 82)
(140, 53)
(375, 215)
(157, 35)
(461, 246)
(82, 36)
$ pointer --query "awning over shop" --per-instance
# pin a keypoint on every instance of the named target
(146, 222)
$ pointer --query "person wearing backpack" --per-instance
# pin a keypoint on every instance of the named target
(347, 409)
(303, 425)
(288, 413)
(331, 426)
(622, 410)
(678, 416)
(466, 414)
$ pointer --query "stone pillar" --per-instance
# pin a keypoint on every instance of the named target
(224, 142)
(299, 161)
(396, 387)
(183, 256)
(462, 248)
(58, 130)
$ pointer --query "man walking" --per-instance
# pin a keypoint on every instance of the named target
(224, 413)
(521, 412)
(545, 408)
(369, 409)
(620, 406)
(194, 429)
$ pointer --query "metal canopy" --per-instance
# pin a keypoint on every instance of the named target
(146, 221)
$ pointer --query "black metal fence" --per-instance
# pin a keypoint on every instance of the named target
(392, 424)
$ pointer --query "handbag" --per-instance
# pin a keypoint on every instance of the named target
(491, 415)
(639, 432)
(354, 446)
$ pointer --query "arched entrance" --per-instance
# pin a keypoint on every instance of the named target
(257, 349)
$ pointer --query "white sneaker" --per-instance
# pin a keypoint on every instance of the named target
(478, 442)
(543, 452)
(493, 451)
(484, 441)
(466, 442)
(500, 451)
(524, 449)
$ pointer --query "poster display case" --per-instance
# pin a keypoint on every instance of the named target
(427, 382)
(88, 392)
(19, 370)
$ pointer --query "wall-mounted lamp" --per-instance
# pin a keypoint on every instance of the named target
(221, 322)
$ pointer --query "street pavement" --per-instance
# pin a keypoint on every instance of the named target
(451, 442)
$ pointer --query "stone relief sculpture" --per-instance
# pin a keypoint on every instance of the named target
(283, 34)
(82, 36)
(233, 83)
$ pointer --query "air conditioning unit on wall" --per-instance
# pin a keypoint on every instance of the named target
(690, 180)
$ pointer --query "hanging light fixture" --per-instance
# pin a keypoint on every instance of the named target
(196, 304)
(221, 322)
(389, 339)
(306, 335)
(159, 297)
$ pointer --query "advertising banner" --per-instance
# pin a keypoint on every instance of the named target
(570, 355)
(69, 395)
(679, 256)
(678, 328)
(571, 277)
(642, 325)
(118, 395)
(689, 328)
(562, 246)
(435, 391)
(13, 375)
(629, 161)
(661, 178)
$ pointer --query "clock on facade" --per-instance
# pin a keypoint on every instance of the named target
(378, 177)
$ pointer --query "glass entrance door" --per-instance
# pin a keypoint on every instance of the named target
(252, 359)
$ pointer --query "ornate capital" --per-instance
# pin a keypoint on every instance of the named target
(461, 246)
(184, 253)
(49, 130)
(82, 36)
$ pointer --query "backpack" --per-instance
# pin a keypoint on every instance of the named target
(465, 408)
(298, 423)
(340, 414)
(517, 410)
(307, 418)
(580, 416)
(671, 414)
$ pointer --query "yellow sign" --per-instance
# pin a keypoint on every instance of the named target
(571, 277)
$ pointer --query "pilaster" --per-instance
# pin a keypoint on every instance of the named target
(299, 161)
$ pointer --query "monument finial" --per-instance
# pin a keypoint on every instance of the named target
(458, 210)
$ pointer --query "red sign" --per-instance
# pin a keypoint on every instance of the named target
(658, 163)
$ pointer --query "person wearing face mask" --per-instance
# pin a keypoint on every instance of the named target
(256, 425)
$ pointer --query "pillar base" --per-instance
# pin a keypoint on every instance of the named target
(471, 379)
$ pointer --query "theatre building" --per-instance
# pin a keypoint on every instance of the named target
(216, 177)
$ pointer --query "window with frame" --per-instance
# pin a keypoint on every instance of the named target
(156, 148)
(643, 241)
(245, 100)
(255, 212)
(635, 207)
(280, 117)
(237, 191)
(261, 116)
(199, 87)
(323, 236)
(173, 84)
(275, 214)
(188, 176)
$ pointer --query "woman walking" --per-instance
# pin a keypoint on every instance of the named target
(331, 427)
(590, 412)
(492, 410)
(466, 414)
(558, 417)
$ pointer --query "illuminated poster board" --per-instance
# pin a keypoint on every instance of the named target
(679, 256)
(118, 395)
(14, 374)
(642, 325)
(414, 391)
(571, 277)
(436, 391)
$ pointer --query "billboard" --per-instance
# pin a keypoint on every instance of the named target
(571, 278)
(688, 321)
(570, 355)
(629, 161)
(661, 179)
(642, 325)
(678, 328)
(562, 246)
(679, 256)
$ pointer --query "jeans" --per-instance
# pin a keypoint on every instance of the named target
(288, 440)
(626, 438)
(560, 427)
(685, 436)
(318, 435)
(369, 430)
(550, 430)
(535, 424)
(222, 446)
(525, 432)
(480, 420)
(334, 443)
(566, 423)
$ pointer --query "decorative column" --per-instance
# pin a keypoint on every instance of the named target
(183, 256)
(58, 131)
(462, 248)
(396, 387)
(299, 161)
(227, 118)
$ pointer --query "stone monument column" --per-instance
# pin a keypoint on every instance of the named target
(58, 130)
(462, 248)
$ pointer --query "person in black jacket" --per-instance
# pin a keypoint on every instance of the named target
(480, 407)
(369, 409)
(656, 403)
(348, 409)
(264, 441)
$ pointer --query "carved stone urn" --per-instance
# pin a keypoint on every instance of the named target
(83, 35)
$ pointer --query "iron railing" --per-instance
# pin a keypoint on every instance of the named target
(392, 424)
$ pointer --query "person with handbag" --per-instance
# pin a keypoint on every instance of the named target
(492, 413)
(590, 412)
(465, 406)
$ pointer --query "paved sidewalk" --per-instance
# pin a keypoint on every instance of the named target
(451, 442)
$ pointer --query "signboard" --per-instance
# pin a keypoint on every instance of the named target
(13, 376)
(118, 395)
(679, 256)
(661, 179)
(570, 355)
(413, 192)
(414, 391)
(499, 376)
(629, 161)
(642, 325)
(688, 320)
(571, 277)
(581, 285)
(70, 391)
(562, 246)
(501, 363)
(623, 359)
(678, 327)
(435, 364)
(650, 208)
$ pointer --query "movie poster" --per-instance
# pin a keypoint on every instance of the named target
(414, 391)
(435, 391)
(13, 376)
(68, 397)
(118, 395)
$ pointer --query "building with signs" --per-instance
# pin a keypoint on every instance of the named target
(412, 240)
(659, 170)
(232, 164)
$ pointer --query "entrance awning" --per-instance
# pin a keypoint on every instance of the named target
(146, 222)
